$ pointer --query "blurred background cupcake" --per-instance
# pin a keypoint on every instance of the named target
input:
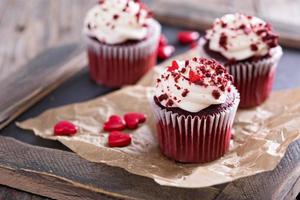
(122, 40)
(248, 47)
(194, 105)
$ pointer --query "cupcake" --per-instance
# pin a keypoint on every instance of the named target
(122, 40)
(249, 49)
(194, 105)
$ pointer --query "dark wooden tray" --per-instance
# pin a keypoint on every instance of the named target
(63, 175)
(27, 165)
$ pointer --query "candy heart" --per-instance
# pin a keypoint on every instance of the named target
(165, 52)
(134, 119)
(114, 123)
(186, 37)
(163, 41)
(65, 128)
(194, 45)
(118, 139)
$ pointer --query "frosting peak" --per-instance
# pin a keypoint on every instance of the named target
(117, 21)
(193, 85)
(238, 36)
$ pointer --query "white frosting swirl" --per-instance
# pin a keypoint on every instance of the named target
(117, 21)
(190, 88)
(238, 36)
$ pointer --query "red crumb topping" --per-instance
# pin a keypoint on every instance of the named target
(173, 67)
(253, 47)
(194, 77)
(216, 94)
(170, 103)
(163, 97)
(263, 30)
(185, 92)
(200, 71)
(223, 41)
(116, 16)
(223, 24)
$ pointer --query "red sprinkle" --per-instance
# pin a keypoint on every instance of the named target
(253, 47)
(118, 139)
(216, 94)
(223, 40)
(194, 77)
(169, 103)
(65, 128)
(174, 66)
(115, 17)
(163, 97)
(185, 92)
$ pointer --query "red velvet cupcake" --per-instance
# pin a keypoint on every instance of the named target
(249, 49)
(122, 41)
(194, 105)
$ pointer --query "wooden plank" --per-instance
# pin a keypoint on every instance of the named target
(64, 175)
(35, 81)
(8, 193)
(27, 28)
(42, 48)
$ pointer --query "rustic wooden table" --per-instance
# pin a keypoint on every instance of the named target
(33, 28)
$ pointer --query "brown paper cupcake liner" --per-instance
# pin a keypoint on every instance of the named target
(194, 139)
(118, 65)
(253, 79)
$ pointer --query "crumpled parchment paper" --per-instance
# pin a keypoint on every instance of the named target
(260, 137)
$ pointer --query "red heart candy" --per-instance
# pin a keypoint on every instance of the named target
(165, 52)
(193, 45)
(163, 41)
(114, 123)
(186, 37)
(118, 139)
(134, 119)
(65, 128)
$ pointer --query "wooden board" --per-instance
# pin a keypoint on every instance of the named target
(35, 81)
(42, 48)
(64, 175)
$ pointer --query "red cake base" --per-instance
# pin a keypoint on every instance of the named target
(114, 72)
(195, 137)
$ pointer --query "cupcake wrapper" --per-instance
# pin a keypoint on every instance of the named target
(118, 65)
(253, 80)
(194, 139)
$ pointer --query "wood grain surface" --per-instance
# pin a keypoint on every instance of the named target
(30, 27)
(64, 175)
(32, 31)
(7, 193)
(40, 48)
